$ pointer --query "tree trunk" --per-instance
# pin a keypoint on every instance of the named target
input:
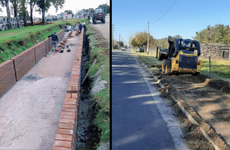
(8, 11)
(24, 13)
(15, 10)
(43, 16)
(31, 14)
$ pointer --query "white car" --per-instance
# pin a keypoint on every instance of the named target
(123, 49)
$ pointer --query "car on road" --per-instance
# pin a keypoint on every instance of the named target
(123, 49)
(139, 50)
(98, 15)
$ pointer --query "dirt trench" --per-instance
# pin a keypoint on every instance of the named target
(87, 132)
(208, 98)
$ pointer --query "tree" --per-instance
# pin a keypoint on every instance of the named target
(5, 3)
(120, 43)
(69, 12)
(177, 36)
(15, 4)
(32, 4)
(105, 7)
(44, 5)
(134, 43)
(24, 12)
(216, 34)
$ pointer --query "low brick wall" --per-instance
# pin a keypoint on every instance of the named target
(39, 51)
(60, 35)
(7, 76)
(23, 62)
(14, 69)
(66, 134)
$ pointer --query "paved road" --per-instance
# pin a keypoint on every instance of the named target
(136, 121)
(104, 28)
(30, 110)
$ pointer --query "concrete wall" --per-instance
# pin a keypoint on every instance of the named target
(14, 69)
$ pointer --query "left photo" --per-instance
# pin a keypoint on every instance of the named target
(54, 74)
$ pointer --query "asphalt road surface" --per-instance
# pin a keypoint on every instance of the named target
(136, 121)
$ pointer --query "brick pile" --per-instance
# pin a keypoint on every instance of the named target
(7, 76)
(66, 134)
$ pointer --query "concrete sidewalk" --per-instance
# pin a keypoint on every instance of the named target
(30, 110)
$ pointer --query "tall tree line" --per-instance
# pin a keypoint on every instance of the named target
(19, 7)
(216, 34)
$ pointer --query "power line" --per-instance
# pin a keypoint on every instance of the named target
(162, 9)
(171, 6)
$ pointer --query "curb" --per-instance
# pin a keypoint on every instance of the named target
(66, 133)
(205, 128)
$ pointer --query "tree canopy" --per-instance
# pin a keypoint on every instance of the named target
(216, 34)
(140, 39)
(69, 12)
(44, 5)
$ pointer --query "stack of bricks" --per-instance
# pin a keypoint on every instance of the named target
(14, 69)
(7, 76)
(66, 136)
(23, 62)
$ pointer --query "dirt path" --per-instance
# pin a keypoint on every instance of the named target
(104, 28)
(208, 98)
(30, 111)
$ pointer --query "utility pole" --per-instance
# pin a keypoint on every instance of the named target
(148, 40)
(119, 40)
(113, 38)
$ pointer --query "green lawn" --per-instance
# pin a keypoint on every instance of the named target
(150, 60)
(24, 32)
(15, 41)
(220, 68)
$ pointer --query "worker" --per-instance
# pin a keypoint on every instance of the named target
(54, 40)
(79, 27)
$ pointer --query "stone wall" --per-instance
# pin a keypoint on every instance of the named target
(217, 51)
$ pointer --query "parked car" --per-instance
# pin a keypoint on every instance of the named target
(98, 15)
(140, 50)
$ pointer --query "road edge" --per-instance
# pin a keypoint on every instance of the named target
(206, 129)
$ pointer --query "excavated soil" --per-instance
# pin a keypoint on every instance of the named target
(87, 132)
(209, 98)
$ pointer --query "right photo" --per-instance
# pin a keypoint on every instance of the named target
(170, 75)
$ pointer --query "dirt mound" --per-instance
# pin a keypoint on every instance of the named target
(221, 85)
(190, 78)
(158, 66)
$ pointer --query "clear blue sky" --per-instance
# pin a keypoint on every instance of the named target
(184, 18)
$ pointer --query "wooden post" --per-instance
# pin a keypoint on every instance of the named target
(157, 52)
(210, 68)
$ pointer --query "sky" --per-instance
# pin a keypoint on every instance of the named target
(167, 17)
(74, 5)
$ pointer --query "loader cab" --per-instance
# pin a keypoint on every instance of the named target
(189, 46)
(186, 45)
